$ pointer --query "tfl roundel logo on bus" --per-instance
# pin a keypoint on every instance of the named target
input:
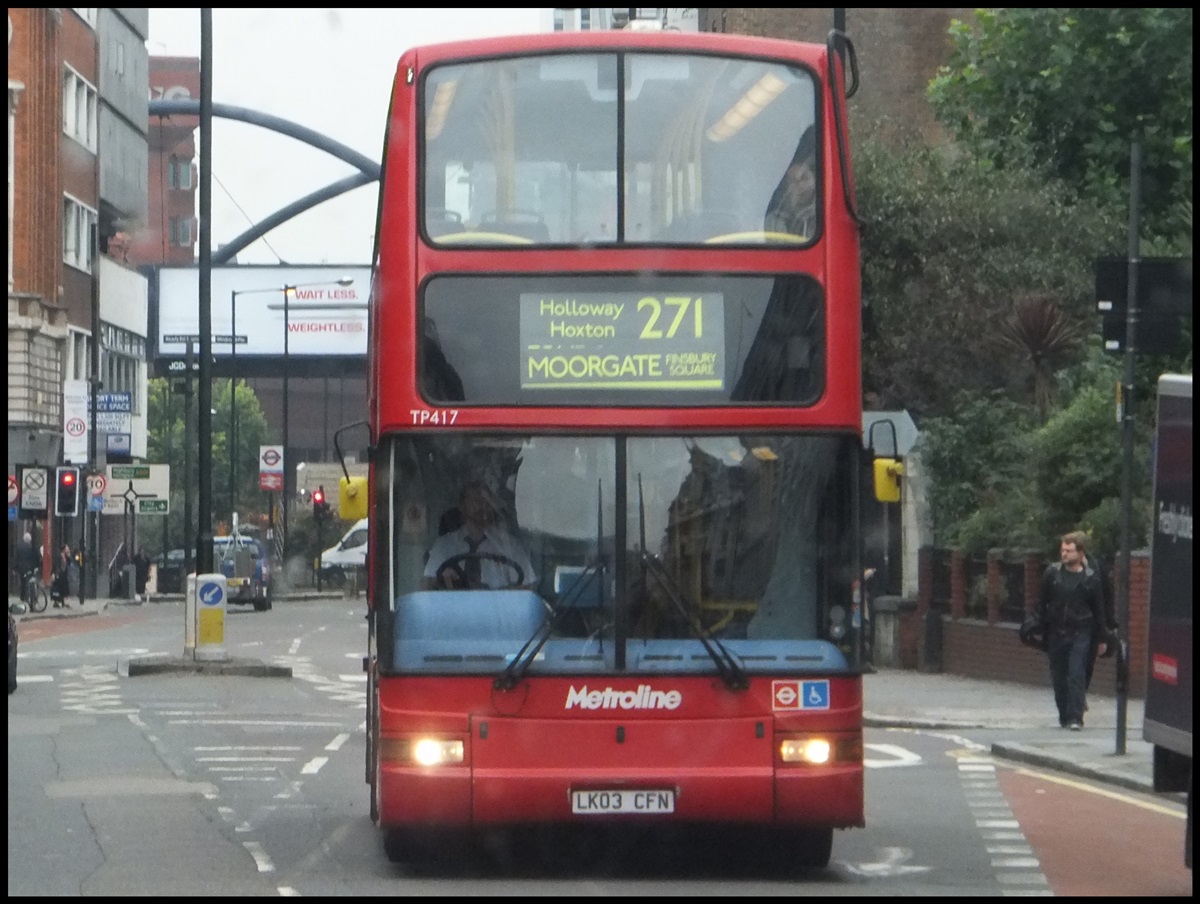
(797, 695)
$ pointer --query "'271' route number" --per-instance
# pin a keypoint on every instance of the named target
(424, 417)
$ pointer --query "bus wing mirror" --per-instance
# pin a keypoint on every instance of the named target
(352, 498)
(887, 479)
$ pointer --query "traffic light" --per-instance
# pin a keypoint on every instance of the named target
(320, 507)
(66, 492)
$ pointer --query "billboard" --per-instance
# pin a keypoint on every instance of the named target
(247, 305)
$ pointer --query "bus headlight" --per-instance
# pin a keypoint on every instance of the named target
(436, 752)
(426, 752)
(814, 751)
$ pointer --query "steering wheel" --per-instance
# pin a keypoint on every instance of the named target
(454, 564)
(755, 235)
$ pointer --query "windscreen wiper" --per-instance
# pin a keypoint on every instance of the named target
(728, 667)
(516, 670)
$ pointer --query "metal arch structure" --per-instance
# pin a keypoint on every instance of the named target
(368, 169)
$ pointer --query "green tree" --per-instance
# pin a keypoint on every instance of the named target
(974, 458)
(951, 247)
(169, 441)
(1068, 90)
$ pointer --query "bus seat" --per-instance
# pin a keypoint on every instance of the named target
(516, 222)
(696, 226)
(439, 221)
(576, 587)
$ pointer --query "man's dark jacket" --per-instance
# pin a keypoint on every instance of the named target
(1065, 610)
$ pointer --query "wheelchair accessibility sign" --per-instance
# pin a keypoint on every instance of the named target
(790, 696)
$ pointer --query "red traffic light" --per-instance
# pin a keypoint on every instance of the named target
(318, 497)
(68, 478)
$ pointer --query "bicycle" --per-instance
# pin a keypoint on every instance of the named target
(37, 594)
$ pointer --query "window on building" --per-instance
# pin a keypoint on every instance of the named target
(123, 360)
(14, 93)
(79, 108)
(78, 220)
(179, 173)
(181, 230)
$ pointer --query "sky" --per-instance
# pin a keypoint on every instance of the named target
(327, 69)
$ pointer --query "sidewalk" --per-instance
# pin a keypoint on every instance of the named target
(1019, 720)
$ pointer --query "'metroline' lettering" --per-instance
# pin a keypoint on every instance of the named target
(642, 698)
(583, 367)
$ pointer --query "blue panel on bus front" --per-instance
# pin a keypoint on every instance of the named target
(755, 656)
(478, 615)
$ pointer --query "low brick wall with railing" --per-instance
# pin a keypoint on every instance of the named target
(981, 602)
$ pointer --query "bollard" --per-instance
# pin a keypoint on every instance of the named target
(210, 616)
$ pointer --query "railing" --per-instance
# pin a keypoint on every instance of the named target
(1012, 587)
(975, 573)
(940, 574)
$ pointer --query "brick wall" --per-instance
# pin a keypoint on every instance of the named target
(989, 648)
(898, 49)
(33, 56)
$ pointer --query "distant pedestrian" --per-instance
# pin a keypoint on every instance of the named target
(1071, 609)
(28, 561)
(141, 563)
(60, 584)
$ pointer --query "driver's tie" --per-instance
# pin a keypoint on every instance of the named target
(472, 569)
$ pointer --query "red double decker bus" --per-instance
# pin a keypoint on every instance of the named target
(616, 441)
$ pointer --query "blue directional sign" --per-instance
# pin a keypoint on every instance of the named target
(814, 694)
(210, 593)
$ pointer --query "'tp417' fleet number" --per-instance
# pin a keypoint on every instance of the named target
(437, 417)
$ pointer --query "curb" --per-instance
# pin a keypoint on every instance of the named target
(1023, 753)
(159, 665)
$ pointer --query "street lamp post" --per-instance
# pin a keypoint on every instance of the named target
(233, 344)
(287, 484)
(233, 340)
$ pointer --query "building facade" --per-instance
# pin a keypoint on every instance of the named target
(77, 83)
(899, 51)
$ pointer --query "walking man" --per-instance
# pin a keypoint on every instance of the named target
(1071, 607)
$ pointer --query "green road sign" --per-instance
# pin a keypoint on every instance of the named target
(130, 472)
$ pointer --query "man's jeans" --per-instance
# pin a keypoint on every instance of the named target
(1069, 656)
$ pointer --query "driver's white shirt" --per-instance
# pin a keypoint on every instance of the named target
(495, 575)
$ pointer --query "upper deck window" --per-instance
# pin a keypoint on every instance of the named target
(700, 149)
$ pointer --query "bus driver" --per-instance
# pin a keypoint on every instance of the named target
(480, 553)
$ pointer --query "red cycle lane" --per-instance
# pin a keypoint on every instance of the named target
(1098, 840)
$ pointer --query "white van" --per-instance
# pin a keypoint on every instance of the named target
(339, 562)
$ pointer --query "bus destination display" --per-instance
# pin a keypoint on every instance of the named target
(601, 340)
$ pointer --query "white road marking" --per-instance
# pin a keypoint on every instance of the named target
(895, 756)
(314, 765)
(265, 865)
(336, 743)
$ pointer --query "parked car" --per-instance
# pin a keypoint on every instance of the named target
(350, 554)
(247, 568)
